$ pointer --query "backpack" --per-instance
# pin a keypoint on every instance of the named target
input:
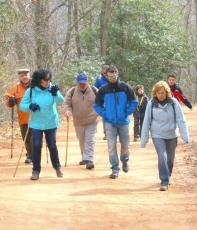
(73, 90)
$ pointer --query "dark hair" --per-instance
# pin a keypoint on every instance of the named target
(171, 75)
(138, 87)
(38, 75)
(112, 69)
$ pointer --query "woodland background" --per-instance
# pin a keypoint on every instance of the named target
(145, 39)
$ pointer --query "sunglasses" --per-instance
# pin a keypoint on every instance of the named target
(112, 77)
(47, 79)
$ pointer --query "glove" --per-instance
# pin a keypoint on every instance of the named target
(54, 89)
(12, 101)
(34, 107)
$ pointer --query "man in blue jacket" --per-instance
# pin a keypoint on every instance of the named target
(114, 102)
(101, 80)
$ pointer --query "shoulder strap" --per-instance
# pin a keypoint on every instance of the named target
(30, 93)
(72, 91)
(94, 90)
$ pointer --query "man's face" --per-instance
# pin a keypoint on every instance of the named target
(171, 81)
(24, 78)
(83, 86)
(112, 77)
(104, 73)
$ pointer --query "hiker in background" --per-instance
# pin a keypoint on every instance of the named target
(115, 101)
(177, 92)
(78, 103)
(163, 115)
(140, 111)
(41, 99)
(101, 80)
(14, 97)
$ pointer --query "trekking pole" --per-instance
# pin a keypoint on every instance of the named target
(67, 140)
(12, 126)
(21, 151)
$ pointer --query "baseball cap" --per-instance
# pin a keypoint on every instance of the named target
(82, 78)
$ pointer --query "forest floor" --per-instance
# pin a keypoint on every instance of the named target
(87, 199)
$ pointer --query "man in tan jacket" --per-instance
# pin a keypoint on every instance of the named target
(78, 103)
(13, 97)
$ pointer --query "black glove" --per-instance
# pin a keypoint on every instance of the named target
(54, 89)
(34, 107)
(12, 101)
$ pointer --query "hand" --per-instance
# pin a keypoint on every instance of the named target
(12, 101)
(54, 89)
(68, 114)
(34, 107)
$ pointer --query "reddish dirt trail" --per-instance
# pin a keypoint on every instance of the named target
(86, 200)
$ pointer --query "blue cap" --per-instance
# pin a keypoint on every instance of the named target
(82, 78)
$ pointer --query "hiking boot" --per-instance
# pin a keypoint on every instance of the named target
(163, 187)
(104, 138)
(135, 139)
(28, 161)
(35, 175)
(82, 162)
(90, 165)
(59, 173)
(125, 167)
(114, 175)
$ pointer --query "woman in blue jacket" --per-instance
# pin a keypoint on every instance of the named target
(41, 99)
(163, 115)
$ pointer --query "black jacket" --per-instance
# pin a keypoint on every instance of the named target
(141, 108)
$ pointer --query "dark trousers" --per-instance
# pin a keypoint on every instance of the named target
(138, 122)
(28, 142)
(50, 136)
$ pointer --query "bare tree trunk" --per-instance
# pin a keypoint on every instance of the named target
(108, 4)
(42, 33)
(77, 37)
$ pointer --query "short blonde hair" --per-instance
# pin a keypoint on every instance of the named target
(158, 86)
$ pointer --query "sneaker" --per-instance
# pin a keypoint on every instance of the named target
(163, 187)
(90, 165)
(28, 161)
(125, 167)
(35, 175)
(114, 175)
(104, 138)
(82, 162)
(59, 173)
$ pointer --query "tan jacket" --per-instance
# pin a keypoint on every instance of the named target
(81, 106)
(18, 91)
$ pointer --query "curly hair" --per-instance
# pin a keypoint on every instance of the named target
(158, 86)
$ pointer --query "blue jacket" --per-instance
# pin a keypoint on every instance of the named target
(100, 81)
(47, 116)
(115, 102)
(162, 121)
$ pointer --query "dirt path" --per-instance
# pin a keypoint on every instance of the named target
(89, 200)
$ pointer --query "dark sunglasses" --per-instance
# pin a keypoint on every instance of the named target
(47, 79)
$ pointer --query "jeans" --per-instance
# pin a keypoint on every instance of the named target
(166, 152)
(50, 136)
(28, 141)
(112, 132)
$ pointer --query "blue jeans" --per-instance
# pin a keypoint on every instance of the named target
(166, 152)
(50, 136)
(112, 131)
